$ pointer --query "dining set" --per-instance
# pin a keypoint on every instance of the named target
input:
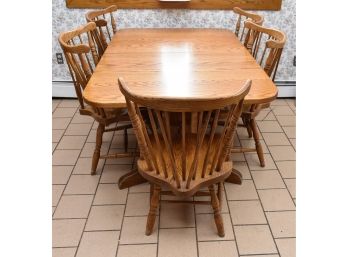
(183, 92)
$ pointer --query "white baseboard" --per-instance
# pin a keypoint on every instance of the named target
(66, 89)
(63, 89)
(287, 91)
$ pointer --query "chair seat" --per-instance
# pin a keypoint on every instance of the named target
(198, 181)
(247, 107)
(112, 115)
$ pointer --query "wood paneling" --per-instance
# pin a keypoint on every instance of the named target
(193, 4)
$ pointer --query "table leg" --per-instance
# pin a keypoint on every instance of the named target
(130, 179)
(235, 177)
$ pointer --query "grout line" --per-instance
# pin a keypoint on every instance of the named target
(70, 246)
(281, 210)
(84, 218)
(125, 206)
(230, 214)
(286, 237)
(66, 165)
(95, 193)
(257, 254)
(263, 189)
(159, 221)
(195, 214)
(54, 109)
(284, 160)
(285, 188)
(140, 244)
(196, 227)
(263, 209)
(216, 240)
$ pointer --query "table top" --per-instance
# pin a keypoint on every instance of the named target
(185, 63)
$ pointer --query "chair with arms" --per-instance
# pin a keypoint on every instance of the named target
(176, 157)
(82, 56)
(242, 17)
(266, 46)
(106, 25)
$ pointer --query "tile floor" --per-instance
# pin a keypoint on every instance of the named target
(93, 218)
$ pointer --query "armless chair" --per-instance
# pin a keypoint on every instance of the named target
(106, 25)
(174, 157)
(242, 17)
(266, 46)
(82, 56)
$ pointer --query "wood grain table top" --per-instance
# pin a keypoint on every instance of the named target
(184, 63)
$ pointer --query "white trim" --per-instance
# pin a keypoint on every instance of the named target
(63, 89)
(66, 89)
(286, 91)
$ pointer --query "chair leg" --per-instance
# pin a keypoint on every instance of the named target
(151, 218)
(125, 135)
(152, 187)
(96, 154)
(219, 194)
(217, 215)
(257, 142)
(248, 127)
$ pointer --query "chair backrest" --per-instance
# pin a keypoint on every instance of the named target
(272, 42)
(81, 56)
(170, 151)
(242, 17)
(106, 25)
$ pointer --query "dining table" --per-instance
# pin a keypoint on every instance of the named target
(185, 62)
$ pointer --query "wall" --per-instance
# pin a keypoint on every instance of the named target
(64, 19)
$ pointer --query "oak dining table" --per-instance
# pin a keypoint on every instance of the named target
(187, 63)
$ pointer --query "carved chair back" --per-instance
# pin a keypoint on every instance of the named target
(242, 17)
(174, 155)
(106, 25)
(82, 56)
(268, 42)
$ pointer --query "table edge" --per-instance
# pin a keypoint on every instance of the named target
(123, 105)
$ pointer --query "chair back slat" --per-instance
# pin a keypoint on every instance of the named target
(144, 152)
(183, 145)
(84, 65)
(113, 23)
(272, 41)
(107, 28)
(159, 145)
(81, 55)
(168, 147)
(220, 142)
(228, 139)
(147, 139)
(211, 137)
(102, 38)
(76, 84)
(170, 151)
(81, 77)
(105, 22)
(201, 134)
(167, 128)
(93, 46)
(242, 17)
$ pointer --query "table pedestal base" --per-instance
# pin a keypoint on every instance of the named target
(130, 179)
(133, 178)
(235, 177)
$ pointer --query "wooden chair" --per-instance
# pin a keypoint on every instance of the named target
(82, 56)
(242, 17)
(266, 46)
(175, 156)
(106, 25)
